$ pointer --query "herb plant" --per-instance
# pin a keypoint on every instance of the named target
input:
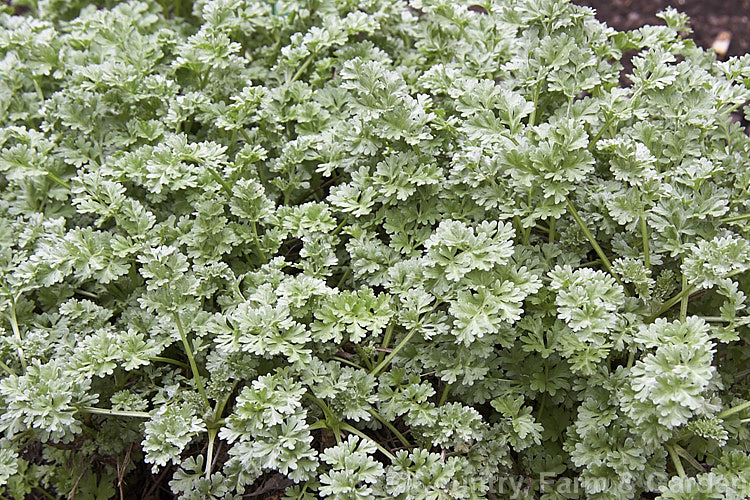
(370, 249)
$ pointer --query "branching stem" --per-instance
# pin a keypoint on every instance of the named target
(670, 303)
(38, 89)
(600, 133)
(386, 341)
(537, 90)
(344, 277)
(170, 361)
(191, 359)
(113, 413)
(210, 453)
(256, 241)
(347, 362)
(383, 364)
(365, 358)
(552, 235)
(733, 410)
(735, 218)
(340, 226)
(58, 181)
(676, 460)
(224, 184)
(7, 369)
(348, 428)
(302, 68)
(222, 404)
(684, 298)
(391, 427)
(682, 452)
(17, 333)
(592, 240)
(444, 395)
(689, 291)
(644, 237)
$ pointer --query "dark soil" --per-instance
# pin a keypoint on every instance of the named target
(708, 18)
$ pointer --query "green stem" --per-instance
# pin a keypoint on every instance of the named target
(302, 68)
(718, 319)
(347, 362)
(210, 453)
(684, 299)
(444, 395)
(340, 226)
(245, 136)
(38, 89)
(113, 413)
(542, 404)
(733, 108)
(320, 424)
(391, 427)
(592, 240)
(595, 139)
(690, 459)
(353, 430)
(58, 181)
(527, 230)
(596, 262)
(669, 304)
(86, 293)
(17, 333)
(46, 495)
(224, 184)
(7, 369)
(99, 148)
(505, 380)
(364, 357)
(193, 365)
(170, 361)
(344, 277)
(222, 404)
(233, 139)
(644, 237)
(330, 419)
(677, 298)
(735, 218)
(256, 240)
(386, 340)
(552, 234)
(381, 366)
(302, 491)
(676, 460)
(532, 117)
(733, 410)
(331, 422)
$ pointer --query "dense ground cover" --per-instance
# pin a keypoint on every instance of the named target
(370, 249)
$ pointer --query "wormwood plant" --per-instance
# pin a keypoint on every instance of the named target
(370, 249)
